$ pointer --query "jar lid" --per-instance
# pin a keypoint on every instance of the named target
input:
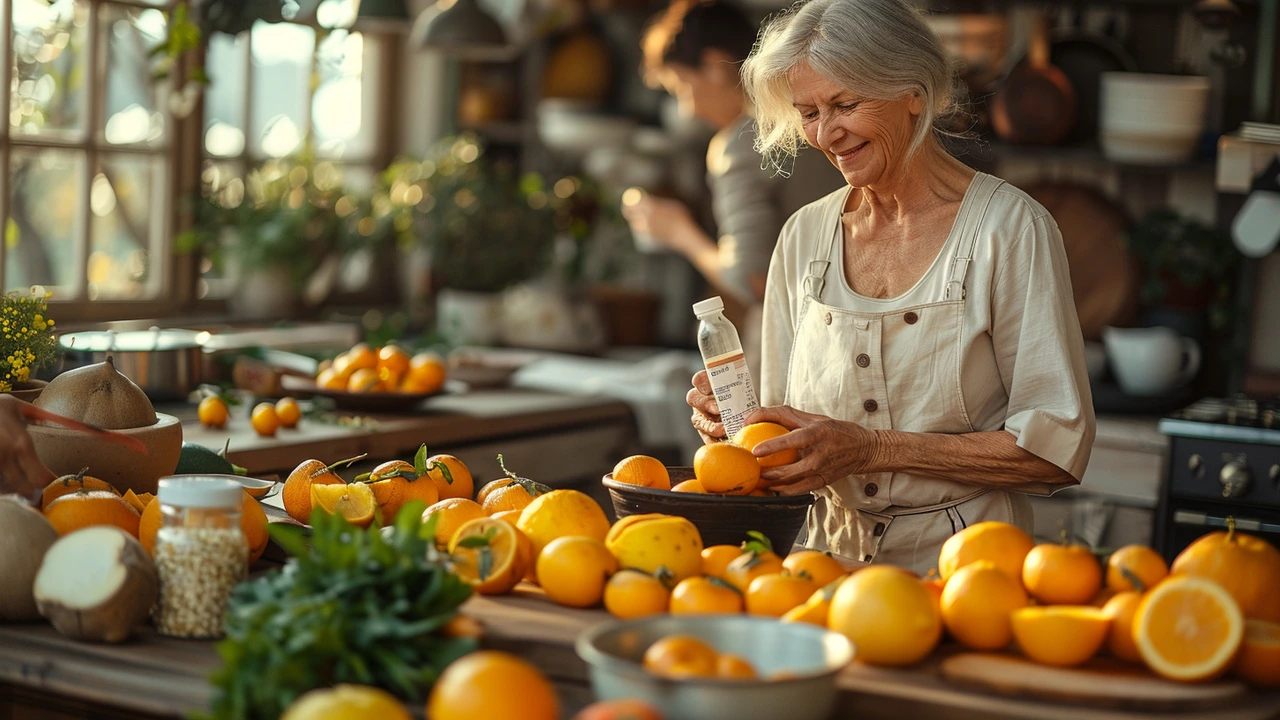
(200, 491)
(708, 306)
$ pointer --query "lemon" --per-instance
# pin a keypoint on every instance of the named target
(346, 702)
(649, 542)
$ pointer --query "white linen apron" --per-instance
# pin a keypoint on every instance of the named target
(896, 370)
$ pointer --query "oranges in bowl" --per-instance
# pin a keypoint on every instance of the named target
(391, 369)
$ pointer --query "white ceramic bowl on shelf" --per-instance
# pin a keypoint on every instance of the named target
(1151, 119)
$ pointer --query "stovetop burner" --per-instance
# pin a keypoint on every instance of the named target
(1239, 411)
(1240, 418)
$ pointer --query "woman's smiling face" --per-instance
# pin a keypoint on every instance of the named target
(867, 140)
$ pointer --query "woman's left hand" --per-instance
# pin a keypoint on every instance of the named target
(829, 449)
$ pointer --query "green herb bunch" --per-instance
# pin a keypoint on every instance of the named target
(27, 342)
(351, 606)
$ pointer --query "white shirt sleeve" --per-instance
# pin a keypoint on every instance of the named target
(1039, 350)
(780, 320)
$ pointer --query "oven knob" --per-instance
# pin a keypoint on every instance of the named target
(1235, 479)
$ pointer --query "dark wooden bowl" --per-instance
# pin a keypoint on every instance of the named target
(720, 519)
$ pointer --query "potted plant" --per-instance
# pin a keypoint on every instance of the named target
(273, 233)
(1189, 269)
(486, 229)
(27, 343)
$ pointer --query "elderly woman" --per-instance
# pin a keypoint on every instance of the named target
(21, 471)
(920, 336)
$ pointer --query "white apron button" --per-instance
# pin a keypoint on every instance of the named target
(864, 360)
(870, 489)
(870, 406)
(826, 318)
(911, 318)
(878, 530)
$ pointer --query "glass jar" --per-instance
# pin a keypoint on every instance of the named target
(200, 553)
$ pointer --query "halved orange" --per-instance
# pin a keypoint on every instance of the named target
(1188, 628)
(487, 555)
(1259, 660)
(1060, 635)
(354, 502)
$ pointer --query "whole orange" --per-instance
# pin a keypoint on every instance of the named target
(296, 495)
(735, 667)
(451, 476)
(392, 491)
(87, 508)
(361, 357)
(976, 605)
(632, 594)
(1062, 574)
(726, 468)
(1259, 660)
(212, 412)
(1135, 561)
(689, 486)
(777, 594)
(516, 496)
(573, 570)
(288, 411)
(819, 566)
(1121, 608)
(700, 596)
(750, 565)
(752, 435)
(619, 710)
(888, 614)
(716, 559)
(1245, 566)
(68, 484)
(394, 360)
(364, 381)
(264, 420)
(428, 372)
(491, 486)
(451, 514)
(492, 684)
(644, 471)
(1004, 544)
(675, 651)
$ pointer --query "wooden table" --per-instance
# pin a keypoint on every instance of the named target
(554, 438)
(154, 676)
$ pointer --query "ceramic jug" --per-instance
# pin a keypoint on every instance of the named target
(1151, 361)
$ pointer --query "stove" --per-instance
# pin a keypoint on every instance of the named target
(1224, 461)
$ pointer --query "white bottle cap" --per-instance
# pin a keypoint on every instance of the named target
(709, 306)
(200, 492)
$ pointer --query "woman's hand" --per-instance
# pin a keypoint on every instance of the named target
(667, 221)
(21, 471)
(706, 412)
(829, 449)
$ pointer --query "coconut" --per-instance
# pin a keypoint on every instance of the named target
(99, 395)
(97, 584)
(26, 536)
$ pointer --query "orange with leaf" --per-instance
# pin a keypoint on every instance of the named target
(757, 559)
(1246, 567)
(511, 493)
(396, 482)
(296, 494)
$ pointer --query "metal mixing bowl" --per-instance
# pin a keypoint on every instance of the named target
(797, 663)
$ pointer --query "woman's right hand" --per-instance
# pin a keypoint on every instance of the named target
(706, 412)
(21, 471)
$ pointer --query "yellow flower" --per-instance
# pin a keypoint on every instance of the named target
(23, 374)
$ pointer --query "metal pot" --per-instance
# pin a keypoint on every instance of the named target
(165, 363)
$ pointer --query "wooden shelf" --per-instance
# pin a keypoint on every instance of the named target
(986, 152)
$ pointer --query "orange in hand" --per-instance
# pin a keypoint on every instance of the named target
(726, 468)
(752, 435)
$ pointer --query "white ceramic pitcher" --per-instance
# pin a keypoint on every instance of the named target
(1151, 361)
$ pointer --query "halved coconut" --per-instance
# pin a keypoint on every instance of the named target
(97, 584)
(27, 536)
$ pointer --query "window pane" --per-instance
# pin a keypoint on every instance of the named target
(134, 103)
(343, 127)
(224, 108)
(224, 182)
(50, 72)
(282, 54)
(126, 233)
(46, 196)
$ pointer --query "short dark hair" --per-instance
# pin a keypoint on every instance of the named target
(679, 34)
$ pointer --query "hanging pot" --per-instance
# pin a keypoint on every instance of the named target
(1036, 104)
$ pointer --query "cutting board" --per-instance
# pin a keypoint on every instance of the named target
(1100, 683)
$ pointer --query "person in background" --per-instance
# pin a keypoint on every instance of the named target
(21, 471)
(694, 50)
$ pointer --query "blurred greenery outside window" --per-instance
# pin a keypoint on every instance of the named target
(86, 150)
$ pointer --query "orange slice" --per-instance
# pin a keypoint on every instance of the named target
(487, 555)
(1060, 635)
(1188, 628)
(354, 502)
(1259, 661)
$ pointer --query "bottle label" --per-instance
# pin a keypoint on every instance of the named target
(734, 391)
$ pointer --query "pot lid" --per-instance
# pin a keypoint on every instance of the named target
(133, 340)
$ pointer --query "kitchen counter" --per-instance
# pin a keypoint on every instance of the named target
(42, 673)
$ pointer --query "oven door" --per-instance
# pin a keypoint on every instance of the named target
(1189, 525)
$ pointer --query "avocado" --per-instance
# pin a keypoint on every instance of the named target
(200, 460)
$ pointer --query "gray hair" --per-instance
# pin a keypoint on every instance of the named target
(877, 49)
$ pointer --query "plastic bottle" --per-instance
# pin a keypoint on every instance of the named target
(727, 370)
